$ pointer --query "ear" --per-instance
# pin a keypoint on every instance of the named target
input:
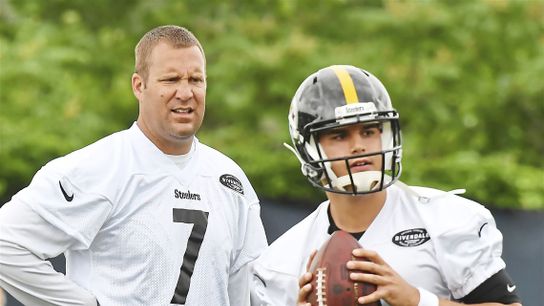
(137, 85)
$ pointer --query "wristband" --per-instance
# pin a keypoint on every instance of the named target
(427, 298)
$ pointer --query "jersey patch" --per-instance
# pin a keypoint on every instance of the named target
(230, 181)
(411, 237)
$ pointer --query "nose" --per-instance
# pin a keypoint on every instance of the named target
(184, 91)
(357, 144)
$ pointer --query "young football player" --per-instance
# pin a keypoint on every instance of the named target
(426, 247)
(145, 216)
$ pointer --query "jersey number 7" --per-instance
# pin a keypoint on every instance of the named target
(199, 219)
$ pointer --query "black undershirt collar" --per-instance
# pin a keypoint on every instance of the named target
(333, 227)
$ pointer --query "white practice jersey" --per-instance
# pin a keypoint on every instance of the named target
(441, 242)
(138, 230)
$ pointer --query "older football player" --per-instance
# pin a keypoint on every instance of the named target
(145, 216)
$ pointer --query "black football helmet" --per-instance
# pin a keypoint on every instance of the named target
(337, 96)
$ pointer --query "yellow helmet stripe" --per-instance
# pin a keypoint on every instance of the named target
(347, 84)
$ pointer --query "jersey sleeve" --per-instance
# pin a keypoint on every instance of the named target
(249, 243)
(275, 274)
(66, 205)
(272, 288)
(470, 252)
(253, 238)
(238, 287)
(253, 242)
(23, 271)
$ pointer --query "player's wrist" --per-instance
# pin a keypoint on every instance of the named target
(427, 298)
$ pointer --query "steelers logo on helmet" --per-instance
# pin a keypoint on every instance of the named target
(341, 96)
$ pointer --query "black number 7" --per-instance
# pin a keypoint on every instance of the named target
(200, 220)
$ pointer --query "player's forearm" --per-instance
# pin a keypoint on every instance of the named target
(33, 281)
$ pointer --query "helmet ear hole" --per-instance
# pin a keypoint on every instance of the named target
(312, 172)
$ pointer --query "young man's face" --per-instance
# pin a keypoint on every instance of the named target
(172, 99)
(351, 140)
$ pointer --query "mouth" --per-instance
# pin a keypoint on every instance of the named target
(360, 162)
(183, 110)
(360, 165)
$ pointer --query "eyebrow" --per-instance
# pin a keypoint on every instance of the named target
(372, 125)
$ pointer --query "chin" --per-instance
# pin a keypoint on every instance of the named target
(182, 130)
(183, 136)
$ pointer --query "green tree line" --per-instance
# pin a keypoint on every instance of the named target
(466, 77)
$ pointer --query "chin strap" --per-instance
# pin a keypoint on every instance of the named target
(302, 162)
(363, 181)
(290, 148)
(369, 180)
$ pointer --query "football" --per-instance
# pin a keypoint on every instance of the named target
(331, 285)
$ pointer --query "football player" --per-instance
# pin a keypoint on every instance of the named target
(425, 247)
(145, 216)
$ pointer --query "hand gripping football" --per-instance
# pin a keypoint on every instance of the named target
(331, 285)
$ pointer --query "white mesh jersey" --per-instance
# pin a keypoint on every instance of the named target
(448, 246)
(137, 230)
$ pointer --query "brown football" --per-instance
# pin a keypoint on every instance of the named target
(331, 285)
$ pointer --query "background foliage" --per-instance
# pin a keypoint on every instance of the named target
(466, 77)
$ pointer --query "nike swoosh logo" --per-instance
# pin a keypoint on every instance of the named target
(480, 231)
(510, 288)
(66, 196)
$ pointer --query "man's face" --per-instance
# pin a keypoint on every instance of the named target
(351, 140)
(172, 99)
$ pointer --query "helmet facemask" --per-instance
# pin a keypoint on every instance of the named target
(321, 104)
(363, 182)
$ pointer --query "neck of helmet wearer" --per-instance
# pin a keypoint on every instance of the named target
(355, 213)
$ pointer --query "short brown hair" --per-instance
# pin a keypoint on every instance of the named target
(176, 36)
